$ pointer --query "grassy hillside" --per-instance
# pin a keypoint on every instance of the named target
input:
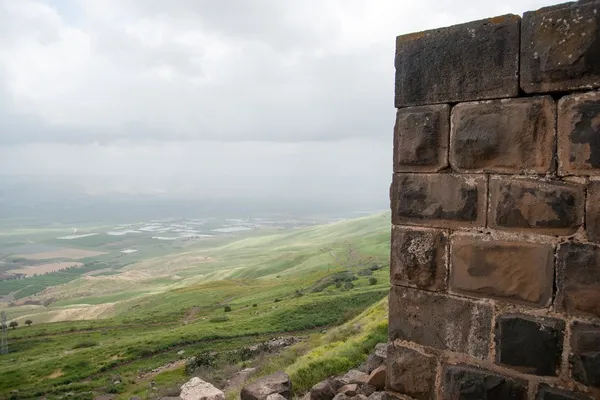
(115, 327)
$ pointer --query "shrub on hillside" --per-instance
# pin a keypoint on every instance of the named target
(227, 308)
(254, 305)
(372, 281)
(220, 318)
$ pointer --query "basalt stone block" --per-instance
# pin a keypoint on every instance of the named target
(410, 372)
(585, 353)
(469, 383)
(439, 321)
(515, 271)
(418, 258)
(473, 61)
(592, 212)
(579, 134)
(503, 136)
(438, 200)
(552, 208)
(530, 345)
(560, 48)
(578, 279)
(546, 392)
(421, 138)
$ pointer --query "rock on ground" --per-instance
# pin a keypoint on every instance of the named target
(278, 382)
(377, 378)
(355, 376)
(323, 391)
(197, 389)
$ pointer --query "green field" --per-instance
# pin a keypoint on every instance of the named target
(139, 312)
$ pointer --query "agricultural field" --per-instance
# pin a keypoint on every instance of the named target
(108, 326)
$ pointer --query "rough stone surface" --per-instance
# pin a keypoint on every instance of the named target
(468, 383)
(472, 61)
(349, 390)
(355, 376)
(503, 136)
(322, 391)
(530, 345)
(418, 258)
(438, 200)
(278, 382)
(376, 358)
(546, 392)
(275, 396)
(410, 372)
(585, 353)
(367, 390)
(439, 321)
(560, 48)
(421, 138)
(514, 271)
(552, 208)
(578, 279)
(592, 212)
(377, 378)
(579, 134)
(197, 389)
(377, 396)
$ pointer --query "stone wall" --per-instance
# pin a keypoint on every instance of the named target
(495, 260)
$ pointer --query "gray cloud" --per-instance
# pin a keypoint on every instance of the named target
(213, 96)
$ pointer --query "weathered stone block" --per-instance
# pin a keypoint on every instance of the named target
(546, 392)
(410, 372)
(472, 61)
(579, 134)
(438, 200)
(530, 345)
(439, 321)
(514, 271)
(418, 258)
(469, 383)
(552, 208)
(592, 212)
(585, 353)
(503, 136)
(560, 48)
(421, 138)
(578, 279)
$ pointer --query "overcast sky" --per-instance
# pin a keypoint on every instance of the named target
(226, 95)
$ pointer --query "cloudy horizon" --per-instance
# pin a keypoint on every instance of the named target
(226, 96)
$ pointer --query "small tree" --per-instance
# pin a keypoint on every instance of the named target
(13, 324)
(28, 322)
(227, 308)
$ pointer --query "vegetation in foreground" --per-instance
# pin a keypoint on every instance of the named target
(250, 290)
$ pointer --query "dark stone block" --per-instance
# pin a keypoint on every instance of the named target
(585, 353)
(546, 392)
(439, 321)
(551, 208)
(438, 200)
(579, 134)
(421, 138)
(560, 48)
(503, 136)
(469, 383)
(516, 271)
(473, 61)
(418, 258)
(578, 279)
(530, 345)
(592, 212)
(410, 372)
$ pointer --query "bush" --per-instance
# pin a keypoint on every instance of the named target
(28, 322)
(85, 344)
(227, 308)
(348, 285)
(254, 305)
(372, 281)
(277, 300)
